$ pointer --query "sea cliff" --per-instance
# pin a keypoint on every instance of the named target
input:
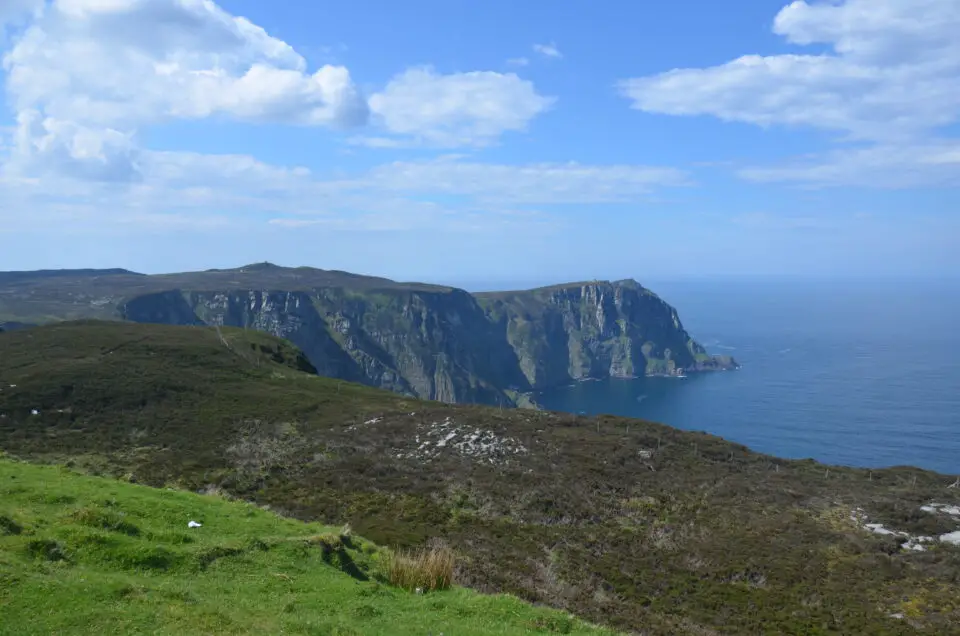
(427, 341)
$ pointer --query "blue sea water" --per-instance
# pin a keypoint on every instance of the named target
(860, 374)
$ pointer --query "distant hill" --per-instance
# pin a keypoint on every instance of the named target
(632, 524)
(426, 341)
(16, 278)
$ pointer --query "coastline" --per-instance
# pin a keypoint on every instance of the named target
(723, 363)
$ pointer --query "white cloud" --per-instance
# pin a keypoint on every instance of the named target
(519, 61)
(407, 188)
(548, 50)
(87, 79)
(177, 189)
(87, 74)
(892, 79)
(461, 109)
(45, 146)
(125, 62)
(900, 165)
(559, 183)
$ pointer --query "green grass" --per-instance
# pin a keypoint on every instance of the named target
(628, 523)
(87, 555)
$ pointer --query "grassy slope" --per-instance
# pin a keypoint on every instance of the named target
(86, 555)
(631, 523)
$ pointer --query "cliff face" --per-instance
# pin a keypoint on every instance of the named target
(448, 345)
(427, 341)
(595, 330)
(431, 344)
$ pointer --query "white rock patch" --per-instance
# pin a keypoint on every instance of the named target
(938, 508)
(877, 528)
(953, 538)
(452, 438)
(912, 543)
(916, 544)
(372, 421)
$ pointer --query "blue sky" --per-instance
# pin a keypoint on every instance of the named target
(458, 141)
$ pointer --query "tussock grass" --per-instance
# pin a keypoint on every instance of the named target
(426, 569)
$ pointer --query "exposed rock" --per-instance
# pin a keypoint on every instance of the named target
(938, 508)
(952, 538)
(911, 543)
(596, 330)
(471, 442)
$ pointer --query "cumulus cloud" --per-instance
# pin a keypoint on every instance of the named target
(86, 74)
(87, 79)
(45, 146)
(460, 109)
(139, 61)
(890, 80)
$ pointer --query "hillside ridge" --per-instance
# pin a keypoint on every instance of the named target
(428, 341)
(632, 524)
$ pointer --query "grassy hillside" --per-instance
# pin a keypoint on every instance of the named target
(629, 523)
(85, 555)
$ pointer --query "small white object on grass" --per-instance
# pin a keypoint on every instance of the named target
(194, 524)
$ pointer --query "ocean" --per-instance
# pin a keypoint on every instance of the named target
(859, 374)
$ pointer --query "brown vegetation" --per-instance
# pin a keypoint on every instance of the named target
(423, 570)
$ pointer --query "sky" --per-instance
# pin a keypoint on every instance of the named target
(460, 141)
